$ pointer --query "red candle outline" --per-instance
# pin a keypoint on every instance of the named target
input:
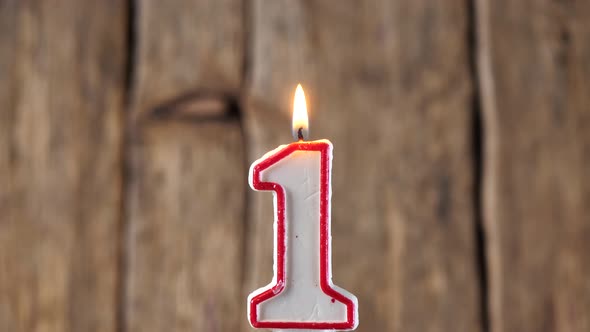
(325, 148)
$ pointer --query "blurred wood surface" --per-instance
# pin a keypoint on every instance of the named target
(186, 47)
(61, 99)
(461, 131)
(535, 74)
(185, 243)
(186, 174)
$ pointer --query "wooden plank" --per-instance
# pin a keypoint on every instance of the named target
(187, 204)
(185, 47)
(388, 82)
(61, 88)
(535, 79)
(187, 196)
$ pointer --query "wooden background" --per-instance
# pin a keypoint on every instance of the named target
(461, 187)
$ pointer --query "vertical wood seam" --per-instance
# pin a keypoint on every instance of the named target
(477, 150)
(126, 127)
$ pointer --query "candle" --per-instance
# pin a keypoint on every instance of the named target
(301, 294)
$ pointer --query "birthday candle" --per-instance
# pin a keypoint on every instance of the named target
(301, 294)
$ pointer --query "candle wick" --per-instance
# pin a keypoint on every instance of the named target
(300, 133)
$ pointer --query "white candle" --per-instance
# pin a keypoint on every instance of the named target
(301, 294)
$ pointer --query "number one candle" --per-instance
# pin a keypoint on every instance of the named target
(301, 295)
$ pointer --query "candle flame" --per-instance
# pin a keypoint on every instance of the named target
(300, 120)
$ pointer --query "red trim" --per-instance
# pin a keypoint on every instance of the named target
(325, 269)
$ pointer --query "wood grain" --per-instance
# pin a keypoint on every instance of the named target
(389, 85)
(187, 204)
(186, 193)
(61, 89)
(186, 47)
(535, 78)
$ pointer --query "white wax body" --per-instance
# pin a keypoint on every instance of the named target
(302, 299)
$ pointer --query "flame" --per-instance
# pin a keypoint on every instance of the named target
(300, 120)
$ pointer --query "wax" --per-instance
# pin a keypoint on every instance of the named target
(301, 294)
